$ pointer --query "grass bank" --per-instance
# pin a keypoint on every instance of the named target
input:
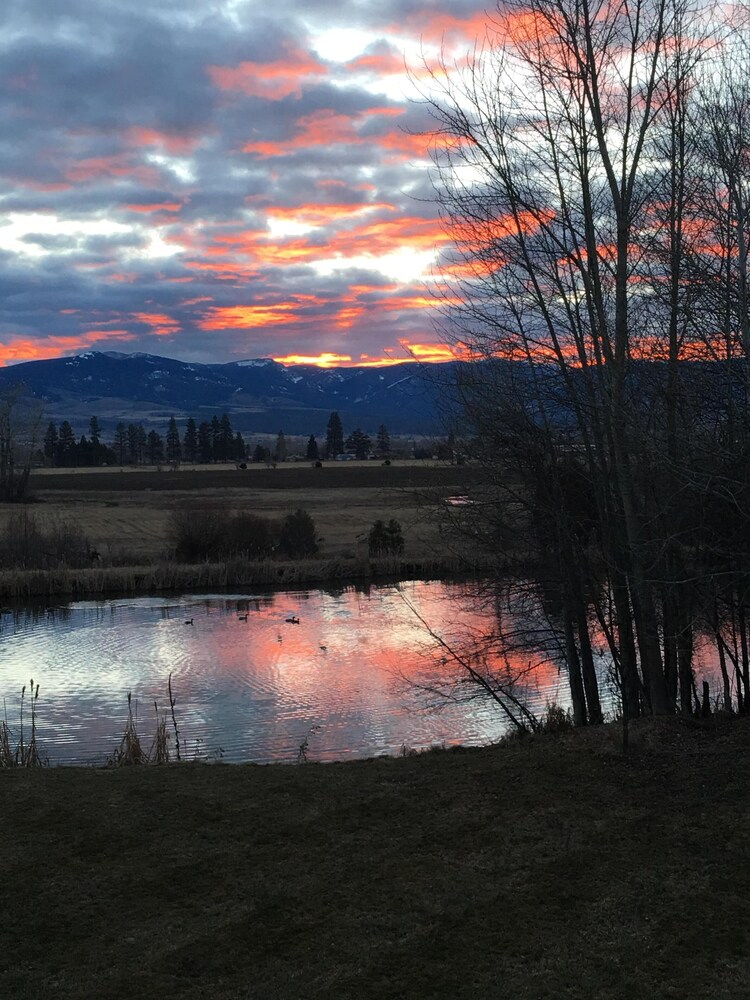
(555, 868)
(100, 581)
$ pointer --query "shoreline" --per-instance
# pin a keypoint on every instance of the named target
(102, 581)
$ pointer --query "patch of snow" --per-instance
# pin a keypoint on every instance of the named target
(255, 363)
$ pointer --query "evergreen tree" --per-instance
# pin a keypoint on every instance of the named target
(215, 430)
(190, 442)
(312, 449)
(334, 436)
(50, 443)
(359, 443)
(94, 444)
(224, 442)
(261, 454)
(205, 442)
(383, 441)
(154, 448)
(173, 450)
(66, 445)
(120, 443)
(280, 451)
(240, 449)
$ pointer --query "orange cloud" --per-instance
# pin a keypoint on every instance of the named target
(161, 324)
(24, 349)
(328, 127)
(321, 360)
(119, 165)
(248, 317)
(272, 80)
(176, 144)
(378, 63)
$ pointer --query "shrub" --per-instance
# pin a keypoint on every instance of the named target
(297, 535)
(385, 539)
(197, 535)
(25, 544)
(556, 719)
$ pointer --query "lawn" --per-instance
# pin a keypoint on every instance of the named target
(554, 868)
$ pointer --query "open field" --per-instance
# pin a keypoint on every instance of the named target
(552, 869)
(125, 513)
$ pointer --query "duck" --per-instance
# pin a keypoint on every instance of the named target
(188, 621)
(292, 621)
(242, 618)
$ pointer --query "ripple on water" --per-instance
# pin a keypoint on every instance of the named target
(247, 690)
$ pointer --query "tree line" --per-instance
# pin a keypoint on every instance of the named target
(209, 441)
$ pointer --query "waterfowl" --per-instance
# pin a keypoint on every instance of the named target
(189, 621)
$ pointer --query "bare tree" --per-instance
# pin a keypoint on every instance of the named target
(566, 176)
(20, 418)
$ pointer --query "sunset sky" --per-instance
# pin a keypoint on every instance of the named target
(215, 181)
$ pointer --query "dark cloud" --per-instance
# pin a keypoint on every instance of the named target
(175, 164)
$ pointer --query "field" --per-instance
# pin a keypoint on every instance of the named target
(125, 514)
(557, 868)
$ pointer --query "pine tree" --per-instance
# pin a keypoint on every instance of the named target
(312, 449)
(280, 452)
(50, 443)
(66, 444)
(224, 440)
(205, 442)
(120, 443)
(240, 450)
(174, 452)
(359, 443)
(334, 436)
(190, 442)
(383, 441)
(154, 448)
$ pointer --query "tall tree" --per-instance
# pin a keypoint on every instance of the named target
(190, 441)
(359, 443)
(154, 448)
(548, 177)
(312, 453)
(383, 445)
(66, 444)
(279, 453)
(50, 443)
(120, 443)
(205, 442)
(173, 448)
(334, 436)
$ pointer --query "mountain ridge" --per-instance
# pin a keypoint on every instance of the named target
(259, 395)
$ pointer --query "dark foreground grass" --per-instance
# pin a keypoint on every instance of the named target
(553, 869)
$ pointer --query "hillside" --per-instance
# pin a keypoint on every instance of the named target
(260, 396)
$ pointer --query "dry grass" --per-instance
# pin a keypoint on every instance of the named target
(129, 528)
(556, 868)
(22, 750)
(125, 515)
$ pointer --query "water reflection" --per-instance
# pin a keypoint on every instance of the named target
(251, 685)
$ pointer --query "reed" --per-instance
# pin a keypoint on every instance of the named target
(129, 752)
(20, 585)
(26, 752)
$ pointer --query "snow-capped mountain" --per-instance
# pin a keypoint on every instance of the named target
(260, 395)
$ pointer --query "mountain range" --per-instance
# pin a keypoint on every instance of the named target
(259, 396)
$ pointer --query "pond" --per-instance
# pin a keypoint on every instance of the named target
(350, 673)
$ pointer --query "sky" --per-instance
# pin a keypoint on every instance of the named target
(218, 180)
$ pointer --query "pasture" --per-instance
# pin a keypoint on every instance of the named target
(125, 512)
